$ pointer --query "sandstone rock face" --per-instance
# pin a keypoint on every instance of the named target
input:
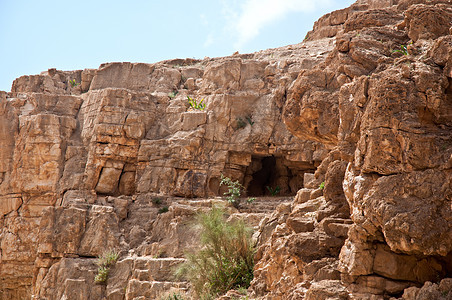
(80, 163)
(387, 113)
(357, 136)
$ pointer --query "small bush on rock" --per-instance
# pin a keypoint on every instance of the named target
(173, 296)
(194, 104)
(163, 210)
(250, 120)
(234, 191)
(226, 259)
(403, 49)
(172, 94)
(102, 275)
(240, 123)
(156, 200)
(273, 191)
(105, 261)
(73, 83)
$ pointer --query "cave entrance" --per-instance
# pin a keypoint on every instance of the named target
(263, 174)
(274, 176)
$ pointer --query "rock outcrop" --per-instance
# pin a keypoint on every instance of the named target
(382, 98)
(83, 154)
(354, 126)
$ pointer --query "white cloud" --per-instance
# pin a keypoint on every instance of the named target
(209, 40)
(203, 20)
(255, 14)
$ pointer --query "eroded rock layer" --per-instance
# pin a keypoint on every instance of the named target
(354, 126)
(78, 160)
(383, 99)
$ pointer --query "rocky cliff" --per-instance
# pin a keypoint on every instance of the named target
(354, 125)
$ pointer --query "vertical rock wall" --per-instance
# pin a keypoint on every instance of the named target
(355, 121)
(77, 159)
(382, 97)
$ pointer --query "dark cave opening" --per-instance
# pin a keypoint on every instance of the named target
(263, 178)
(274, 176)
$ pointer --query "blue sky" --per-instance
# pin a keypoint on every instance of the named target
(36, 35)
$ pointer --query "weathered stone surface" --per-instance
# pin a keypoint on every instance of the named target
(358, 133)
(429, 290)
(294, 254)
(9, 203)
(428, 21)
(49, 82)
(135, 77)
(327, 289)
(70, 279)
(390, 125)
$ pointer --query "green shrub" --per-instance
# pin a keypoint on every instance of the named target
(172, 94)
(234, 190)
(162, 210)
(226, 259)
(173, 296)
(159, 254)
(105, 261)
(194, 104)
(274, 191)
(250, 120)
(108, 258)
(73, 83)
(240, 123)
(322, 185)
(156, 200)
(403, 49)
(102, 275)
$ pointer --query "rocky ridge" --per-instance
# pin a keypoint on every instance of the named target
(81, 166)
(81, 163)
(388, 114)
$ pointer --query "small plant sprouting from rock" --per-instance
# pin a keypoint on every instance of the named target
(234, 190)
(194, 104)
(104, 262)
(173, 296)
(240, 123)
(108, 258)
(250, 120)
(163, 210)
(322, 185)
(156, 200)
(273, 191)
(159, 254)
(102, 275)
(226, 259)
(403, 49)
(242, 291)
(172, 94)
(73, 83)
(250, 200)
